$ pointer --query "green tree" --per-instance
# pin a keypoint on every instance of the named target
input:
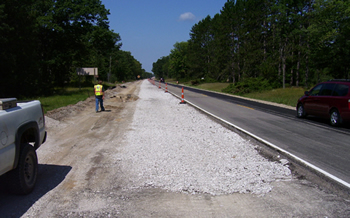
(42, 42)
(200, 49)
(233, 14)
(125, 66)
(178, 60)
(283, 41)
(329, 34)
(161, 68)
(74, 33)
(18, 48)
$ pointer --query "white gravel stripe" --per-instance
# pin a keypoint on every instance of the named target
(175, 147)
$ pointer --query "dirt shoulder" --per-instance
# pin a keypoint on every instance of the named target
(80, 175)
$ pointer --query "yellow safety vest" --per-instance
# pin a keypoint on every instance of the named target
(98, 90)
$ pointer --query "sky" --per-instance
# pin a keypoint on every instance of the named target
(150, 28)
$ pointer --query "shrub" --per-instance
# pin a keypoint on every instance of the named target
(195, 82)
(208, 80)
(248, 85)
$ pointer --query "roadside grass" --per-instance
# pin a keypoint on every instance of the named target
(213, 86)
(64, 97)
(207, 86)
(287, 96)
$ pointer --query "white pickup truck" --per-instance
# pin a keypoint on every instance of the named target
(22, 131)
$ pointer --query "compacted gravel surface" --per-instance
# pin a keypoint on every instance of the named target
(175, 147)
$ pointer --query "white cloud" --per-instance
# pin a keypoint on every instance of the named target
(187, 16)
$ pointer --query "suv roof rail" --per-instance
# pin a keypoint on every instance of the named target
(340, 80)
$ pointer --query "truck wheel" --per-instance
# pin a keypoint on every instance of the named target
(22, 179)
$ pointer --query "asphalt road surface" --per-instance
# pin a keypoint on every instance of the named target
(313, 140)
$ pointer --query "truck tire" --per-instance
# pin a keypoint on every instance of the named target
(22, 179)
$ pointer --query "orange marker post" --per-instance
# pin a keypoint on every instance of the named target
(182, 97)
(166, 87)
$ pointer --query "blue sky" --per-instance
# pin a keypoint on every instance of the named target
(150, 28)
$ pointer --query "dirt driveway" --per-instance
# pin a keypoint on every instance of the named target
(80, 176)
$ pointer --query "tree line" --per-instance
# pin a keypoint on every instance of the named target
(285, 42)
(42, 43)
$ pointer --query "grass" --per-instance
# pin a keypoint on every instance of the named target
(207, 86)
(213, 86)
(287, 96)
(64, 97)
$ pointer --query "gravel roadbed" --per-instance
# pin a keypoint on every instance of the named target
(175, 147)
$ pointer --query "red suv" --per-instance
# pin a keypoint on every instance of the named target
(329, 100)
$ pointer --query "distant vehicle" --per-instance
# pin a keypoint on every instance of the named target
(330, 100)
(22, 131)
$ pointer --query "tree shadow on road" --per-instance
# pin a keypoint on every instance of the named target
(49, 176)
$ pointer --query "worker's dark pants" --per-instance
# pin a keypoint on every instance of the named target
(99, 100)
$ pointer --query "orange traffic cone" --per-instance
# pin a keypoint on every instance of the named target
(182, 97)
(166, 87)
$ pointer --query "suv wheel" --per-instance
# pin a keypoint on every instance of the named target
(335, 118)
(22, 179)
(300, 111)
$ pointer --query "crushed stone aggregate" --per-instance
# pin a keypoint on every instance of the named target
(177, 148)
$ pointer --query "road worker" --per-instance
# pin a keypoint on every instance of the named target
(99, 95)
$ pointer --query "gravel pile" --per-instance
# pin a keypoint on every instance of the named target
(175, 147)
